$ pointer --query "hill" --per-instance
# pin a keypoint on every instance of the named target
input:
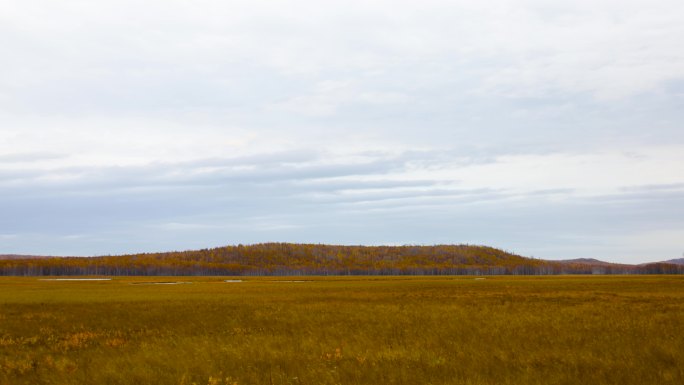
(318, 259)
(677, 261)
(589, 261)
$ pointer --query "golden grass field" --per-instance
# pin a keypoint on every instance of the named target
(353, 330)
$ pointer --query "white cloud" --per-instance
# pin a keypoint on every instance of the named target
(328, 97)
(586, 173)
(608, 49)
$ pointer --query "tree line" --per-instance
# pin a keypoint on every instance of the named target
(319, 259)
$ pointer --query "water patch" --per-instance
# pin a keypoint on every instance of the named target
(159, 283)
(233, 280)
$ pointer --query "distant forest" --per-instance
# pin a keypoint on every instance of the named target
(318, 259)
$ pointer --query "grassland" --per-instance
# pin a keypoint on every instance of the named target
(446, 330)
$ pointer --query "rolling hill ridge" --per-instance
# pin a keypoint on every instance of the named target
(320, 259)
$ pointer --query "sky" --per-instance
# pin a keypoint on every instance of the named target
(549, 129)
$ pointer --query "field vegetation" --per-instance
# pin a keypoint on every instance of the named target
(343, 330)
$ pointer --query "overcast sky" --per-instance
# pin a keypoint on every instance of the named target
(552, 129)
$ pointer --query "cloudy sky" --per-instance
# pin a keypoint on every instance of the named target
(553, 129)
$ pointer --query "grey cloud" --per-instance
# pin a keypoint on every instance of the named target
(654, 188)
(664, 195)
(29, 157)
(246, 212)
(435, 86)
(402, 198)
(20, 175)
(273, 168)
(345, 185)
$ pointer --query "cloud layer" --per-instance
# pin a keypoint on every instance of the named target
(552, 130)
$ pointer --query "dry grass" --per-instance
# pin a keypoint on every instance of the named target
(453, 330)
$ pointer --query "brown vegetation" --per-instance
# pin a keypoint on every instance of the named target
(344, 330)
(317, 259)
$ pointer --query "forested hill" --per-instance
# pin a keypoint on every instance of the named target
(318, 259)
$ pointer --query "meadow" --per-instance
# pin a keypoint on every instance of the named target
(351, 330)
